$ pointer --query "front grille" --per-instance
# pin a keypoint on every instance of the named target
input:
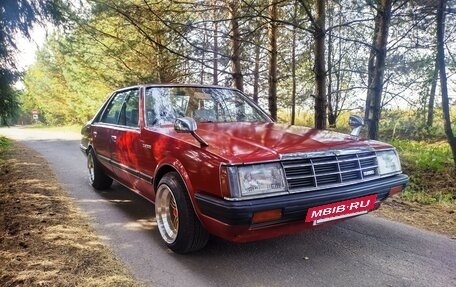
(321, 171)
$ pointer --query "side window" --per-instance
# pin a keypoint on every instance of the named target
(112, 113)
(131, 111)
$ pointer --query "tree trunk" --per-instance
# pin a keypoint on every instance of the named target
(430, 111)
(235, 37)
(338, 100)
(272, 80)
(256, 69)
(335, 103)
(320, 73)
(216, 49)
(377, 67)
(159, 56)
(443, 78)
(331, 111)
(203, 54)
(293, 66)
(370, 76)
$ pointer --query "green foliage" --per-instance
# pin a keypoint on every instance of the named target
(17, 18)
(9, 104)
(424, 156)
(62, 89)
(423, 197)
(303, 118)
(75, 71)
(431, 171)
(306, 118)
(4, 145)
(400, 124)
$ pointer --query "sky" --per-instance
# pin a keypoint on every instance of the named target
(28, 47)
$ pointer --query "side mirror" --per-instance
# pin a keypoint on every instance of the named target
(188, 125)
(185, 125)
(356, 123)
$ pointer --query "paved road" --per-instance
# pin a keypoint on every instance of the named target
(364, 251)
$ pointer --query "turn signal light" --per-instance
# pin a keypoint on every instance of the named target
(267, 215)
(395, 189)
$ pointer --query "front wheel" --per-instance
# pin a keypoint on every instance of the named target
(178, 225)
(97, 177)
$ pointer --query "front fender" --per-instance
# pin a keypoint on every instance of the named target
(172, 164)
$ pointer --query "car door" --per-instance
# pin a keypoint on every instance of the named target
(125, 144)
(152, 143)
(102, 130)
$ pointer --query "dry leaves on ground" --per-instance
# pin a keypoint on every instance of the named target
(44, 239)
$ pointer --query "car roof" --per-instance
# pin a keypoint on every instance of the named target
(175, 85)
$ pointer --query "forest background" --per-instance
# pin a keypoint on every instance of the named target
(305, 62)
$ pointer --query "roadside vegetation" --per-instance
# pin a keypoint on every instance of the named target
(431, 171)
(425, 154)
(429, 202)
(4, 144)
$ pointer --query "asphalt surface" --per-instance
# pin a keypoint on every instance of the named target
(364, 251)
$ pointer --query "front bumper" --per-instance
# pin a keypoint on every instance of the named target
(294, 207)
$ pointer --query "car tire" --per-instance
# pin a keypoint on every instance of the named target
(177, 222)
(97, 177)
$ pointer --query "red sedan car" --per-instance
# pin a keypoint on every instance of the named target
(213, 162)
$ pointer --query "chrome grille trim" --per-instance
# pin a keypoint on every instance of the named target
(334, 168)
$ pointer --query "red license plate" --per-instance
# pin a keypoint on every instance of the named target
(341, 209)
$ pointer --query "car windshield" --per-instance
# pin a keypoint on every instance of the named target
(204, 104)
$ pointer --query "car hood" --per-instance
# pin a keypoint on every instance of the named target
(250, 142)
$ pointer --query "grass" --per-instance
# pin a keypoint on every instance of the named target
(425, 198)
(425, 156)
(4, 146)
(431, 170)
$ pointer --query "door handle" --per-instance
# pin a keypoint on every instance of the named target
(113, 138)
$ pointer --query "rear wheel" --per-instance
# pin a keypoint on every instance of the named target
(97, 177)
(178, 225)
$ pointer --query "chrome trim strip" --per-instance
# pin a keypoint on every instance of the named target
(314, 154)
(331, 173)
(330, 162)
(228, 164)
(107, 160)
(307, 155)
(125, 168)
(132, 171)
(117, 127)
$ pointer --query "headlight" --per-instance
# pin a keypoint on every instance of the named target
(388, 162)
(256, 179)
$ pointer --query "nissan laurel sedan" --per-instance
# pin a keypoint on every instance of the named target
(213, 162)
